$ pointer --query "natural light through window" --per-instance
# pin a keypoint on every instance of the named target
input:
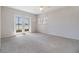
(22, 24)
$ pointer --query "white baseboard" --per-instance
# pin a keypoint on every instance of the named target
(7, 35)
(64, 36)
(0, 36)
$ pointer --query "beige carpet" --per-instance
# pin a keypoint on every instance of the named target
(38, 43)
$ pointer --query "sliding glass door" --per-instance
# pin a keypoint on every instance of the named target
(22, 24)
(26, 24)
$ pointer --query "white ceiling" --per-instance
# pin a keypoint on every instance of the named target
(35, 9)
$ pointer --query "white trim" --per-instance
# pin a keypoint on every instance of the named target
(63, 36)
(8, 35)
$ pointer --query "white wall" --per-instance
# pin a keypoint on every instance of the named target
(8, 17)
(62, 22)
(0, 26)
(0, 21)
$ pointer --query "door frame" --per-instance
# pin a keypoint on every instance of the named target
(15, 23)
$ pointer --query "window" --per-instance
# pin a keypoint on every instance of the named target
(26, 24)
(22, 24)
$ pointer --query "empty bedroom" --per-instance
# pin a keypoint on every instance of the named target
(39, 29)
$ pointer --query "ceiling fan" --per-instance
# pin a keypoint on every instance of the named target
(42, 8)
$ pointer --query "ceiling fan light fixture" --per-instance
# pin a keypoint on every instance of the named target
(41, 8)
